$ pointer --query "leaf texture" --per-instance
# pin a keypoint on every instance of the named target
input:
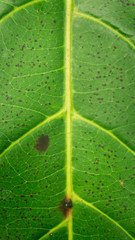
(67, 135)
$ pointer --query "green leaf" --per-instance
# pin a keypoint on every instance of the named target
(67, 119)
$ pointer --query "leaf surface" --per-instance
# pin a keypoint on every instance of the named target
(67, 119)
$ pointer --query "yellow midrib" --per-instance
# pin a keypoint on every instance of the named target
(68, 92)
(68, 104)
(68, 107)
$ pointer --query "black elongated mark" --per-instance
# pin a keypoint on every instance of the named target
(66, 206)
(42, 143)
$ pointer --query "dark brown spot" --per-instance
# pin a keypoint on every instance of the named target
(23, 47)
(66, 206)
(42, 143)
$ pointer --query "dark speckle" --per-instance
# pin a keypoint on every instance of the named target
(23, 47)
(42, 143)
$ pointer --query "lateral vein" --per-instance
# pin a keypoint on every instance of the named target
(58, 114)
(54, 229)
(95, 19)
(103, 129)
(16, 9)
(102, 213)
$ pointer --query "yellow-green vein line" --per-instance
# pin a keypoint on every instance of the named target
(53, 229)
(16, 9)
(39, 74)
(58, 114)
(28, 109)
(68, 106)
(102, 129)
(68, 93)
(95, 19)
(102, 213)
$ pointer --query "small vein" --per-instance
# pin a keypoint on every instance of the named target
(102, 213)
(46, 177)
(99, 21)
(84, 236)
(54, 229)
(38, 74)
(28, 109)
(33, 208)
(20, 228)
(75, 114)
(58, 114)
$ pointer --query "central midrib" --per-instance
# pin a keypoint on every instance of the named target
(68, 110)
(68, 106)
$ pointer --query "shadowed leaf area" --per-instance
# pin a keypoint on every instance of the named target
(67, 120)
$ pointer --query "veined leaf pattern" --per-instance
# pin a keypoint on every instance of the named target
(67, 119)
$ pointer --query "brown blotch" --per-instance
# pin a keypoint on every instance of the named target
(42, 143)
(66, 206)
